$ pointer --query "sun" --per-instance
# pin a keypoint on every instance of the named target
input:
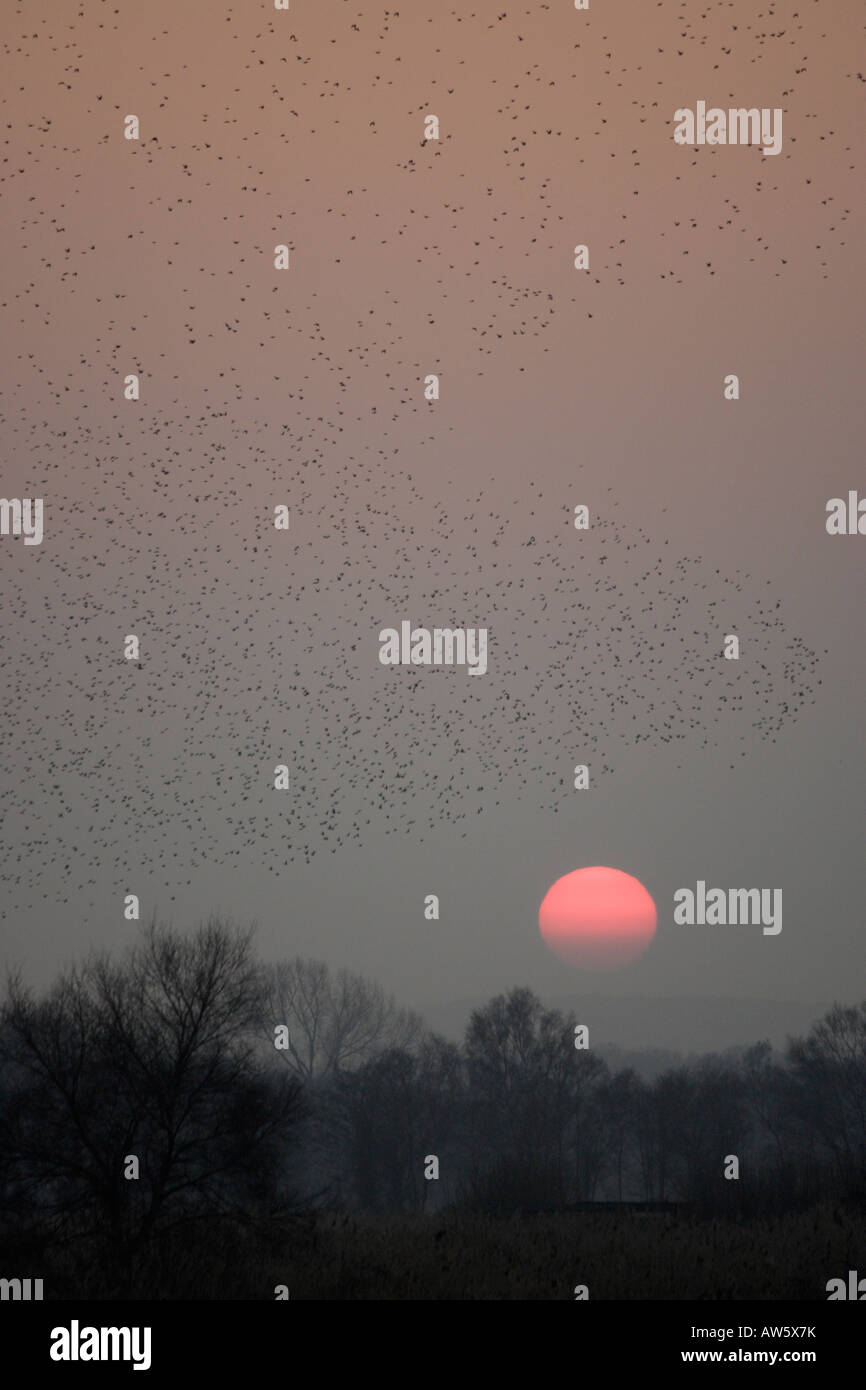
(597, 918)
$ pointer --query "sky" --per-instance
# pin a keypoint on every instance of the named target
(558, 387)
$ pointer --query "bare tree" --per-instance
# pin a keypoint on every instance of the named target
(828, 1070)
(154, 1058)
(532, 1092)
(390, 1113)
(618, 1098)
(767, 1087)
(336, 1021)
(659, 1107)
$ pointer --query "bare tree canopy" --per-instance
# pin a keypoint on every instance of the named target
(152, 1057)
(828, 1070)
(533, 1095)
(337, 1021)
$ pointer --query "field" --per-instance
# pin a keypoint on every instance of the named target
(461, 1257)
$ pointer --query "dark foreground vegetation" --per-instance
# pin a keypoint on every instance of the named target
(187, 1122)
(354, 1256)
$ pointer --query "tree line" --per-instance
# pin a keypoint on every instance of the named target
(188, 1087)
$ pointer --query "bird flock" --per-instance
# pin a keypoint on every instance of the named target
(258, 646)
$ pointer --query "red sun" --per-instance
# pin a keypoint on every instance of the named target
(598, 919)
